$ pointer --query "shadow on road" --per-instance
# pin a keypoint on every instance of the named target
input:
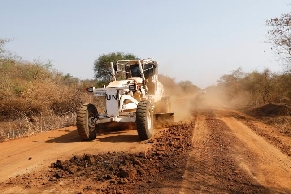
(114, 136)
(71, 136)
(117, 136)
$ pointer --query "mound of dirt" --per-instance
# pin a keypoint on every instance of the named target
(122, 172)
(270, 110)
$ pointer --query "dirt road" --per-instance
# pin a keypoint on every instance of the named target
(24, 155)
(229, 157)
(215, 151)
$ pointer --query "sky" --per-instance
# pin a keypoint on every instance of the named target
(193, 40)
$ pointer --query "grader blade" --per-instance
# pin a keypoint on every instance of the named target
(164, 117)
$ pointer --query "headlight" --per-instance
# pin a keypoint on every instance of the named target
(132, 87)
(90, 89)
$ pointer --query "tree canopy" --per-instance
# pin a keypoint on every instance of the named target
(102, 68)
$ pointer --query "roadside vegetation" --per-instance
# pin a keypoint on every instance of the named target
(265, 95)
(254, 89)
(35, 97)
(259, 88)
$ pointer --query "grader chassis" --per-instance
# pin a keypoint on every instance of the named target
(134, 97)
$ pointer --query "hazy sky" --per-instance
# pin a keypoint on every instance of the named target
(195, 40)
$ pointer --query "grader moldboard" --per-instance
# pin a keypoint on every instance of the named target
(135, 97)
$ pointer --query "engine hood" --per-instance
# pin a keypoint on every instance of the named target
(123, 83)
(117, 84)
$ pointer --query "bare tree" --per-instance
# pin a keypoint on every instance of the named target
(280, 35)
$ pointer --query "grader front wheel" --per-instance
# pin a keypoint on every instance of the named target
(86, 116)
(144, 120)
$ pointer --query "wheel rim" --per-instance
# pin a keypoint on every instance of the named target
(91, 122)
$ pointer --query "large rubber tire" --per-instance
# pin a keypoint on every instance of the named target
(85, 121)
(144, 120)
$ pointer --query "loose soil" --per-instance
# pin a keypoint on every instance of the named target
(214, 151)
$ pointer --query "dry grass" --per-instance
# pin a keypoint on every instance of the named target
(35, 98)
(25, 126)
(277, 115)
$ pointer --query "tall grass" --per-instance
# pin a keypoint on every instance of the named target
(34, 97)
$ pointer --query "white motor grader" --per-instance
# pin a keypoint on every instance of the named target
(135, 97)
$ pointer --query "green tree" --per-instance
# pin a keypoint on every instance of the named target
(102, 67)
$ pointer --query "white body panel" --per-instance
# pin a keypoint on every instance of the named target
(134, 80)
(112, 99)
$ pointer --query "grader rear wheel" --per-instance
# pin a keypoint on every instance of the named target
(85, 121)
(144, 120)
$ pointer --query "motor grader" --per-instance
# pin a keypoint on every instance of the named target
(134, 97)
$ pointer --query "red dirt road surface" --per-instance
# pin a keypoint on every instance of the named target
(215, 150)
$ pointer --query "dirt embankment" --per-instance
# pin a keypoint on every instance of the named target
(161, 166)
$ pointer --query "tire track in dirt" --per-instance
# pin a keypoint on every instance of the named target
(268, 165)
(226, 156)
(194, 179)
(212, 166)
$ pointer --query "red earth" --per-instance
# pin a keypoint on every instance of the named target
(212, 150)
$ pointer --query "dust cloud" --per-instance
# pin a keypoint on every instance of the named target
(182, 99)
(184, 104)
(182, 107)
(217, 97)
